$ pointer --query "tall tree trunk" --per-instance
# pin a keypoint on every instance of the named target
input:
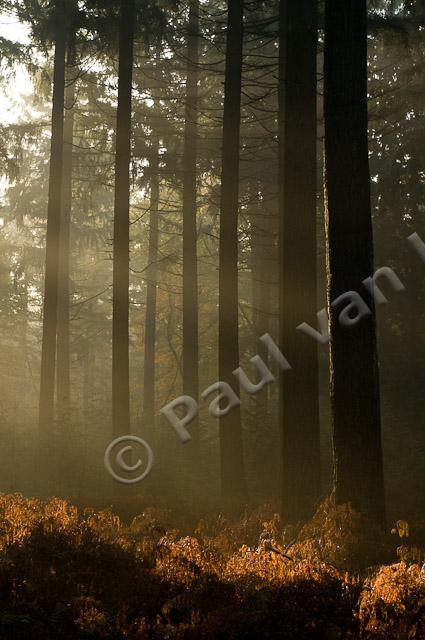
(121, 278)
(231, 452)
(190, 263)
(298, 254)
(261, 287)
(151, 295)
(353, 357)
(262, 272)
(50, 307)
(63, 329)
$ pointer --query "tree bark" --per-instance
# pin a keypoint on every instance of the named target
(121, 276)
(151, 295)
(231, 452)
(299, 413)
(50, 306)
(63, 391)
(190, 236)
(353, 355)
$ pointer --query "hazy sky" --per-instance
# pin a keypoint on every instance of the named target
(12, 90)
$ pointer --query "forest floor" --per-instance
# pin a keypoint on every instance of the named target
(71, 573)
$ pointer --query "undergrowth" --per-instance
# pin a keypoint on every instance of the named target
(73, 573)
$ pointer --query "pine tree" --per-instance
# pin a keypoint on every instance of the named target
(121, 276)
(190, 233)
(231, 447)
(353, 354)
(298, 289)
(63, 330)
(50, 306)
(149, 369)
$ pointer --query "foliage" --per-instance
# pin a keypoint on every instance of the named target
(340, 536)
(80, 573)
(392, 605)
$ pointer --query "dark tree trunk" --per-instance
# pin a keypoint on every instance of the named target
(353, 360)
(50, 307)
(298, 254)
(121, 278)
(63, 330)
(151, 295)
(190, 263)
(261, 273)
(263, 269)
(231, 451)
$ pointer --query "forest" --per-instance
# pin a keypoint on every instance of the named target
(212, 270)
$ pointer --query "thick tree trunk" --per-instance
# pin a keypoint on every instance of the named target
(353, 359)
(190, 262)
(50, 307)
(63, 390)
(120, 322)
(298, 254)
(231, 452)
(151, 296)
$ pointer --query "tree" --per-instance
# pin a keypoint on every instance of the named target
(190, 234)
(353, 355)
(151, 293)
(121, 262)
(299, 415)
(231, 451)
(63, 329)
(50, 307)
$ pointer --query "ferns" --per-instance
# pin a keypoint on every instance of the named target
(75, 574)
